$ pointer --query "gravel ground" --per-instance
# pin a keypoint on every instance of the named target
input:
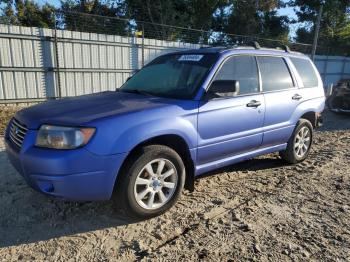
(261, 209)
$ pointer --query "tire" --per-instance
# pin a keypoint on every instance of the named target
(297, 152)
(163, 188)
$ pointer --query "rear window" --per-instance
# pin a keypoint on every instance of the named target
(306, 72)
(274, 74)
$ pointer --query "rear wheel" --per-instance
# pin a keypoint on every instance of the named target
(150, 182)
(299, 144)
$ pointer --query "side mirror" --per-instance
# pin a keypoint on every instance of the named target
(223, 88)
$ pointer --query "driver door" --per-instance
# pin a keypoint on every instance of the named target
(231, 124)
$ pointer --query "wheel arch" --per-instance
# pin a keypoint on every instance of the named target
(310, 116)
(175, 142)
(310, 110)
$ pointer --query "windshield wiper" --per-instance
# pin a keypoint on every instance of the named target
(137, 91)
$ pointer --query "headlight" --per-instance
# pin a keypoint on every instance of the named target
(60, 137)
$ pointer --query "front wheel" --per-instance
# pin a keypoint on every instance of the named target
(150, 182)
(299, 144)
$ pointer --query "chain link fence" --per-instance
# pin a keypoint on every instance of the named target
(83, 53)
(91, 23)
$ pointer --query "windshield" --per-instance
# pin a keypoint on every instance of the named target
(174, 76)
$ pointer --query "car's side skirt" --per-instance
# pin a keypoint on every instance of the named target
(200, 169)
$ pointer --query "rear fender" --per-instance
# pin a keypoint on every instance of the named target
(315, 105)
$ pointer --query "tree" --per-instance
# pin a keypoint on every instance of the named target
(219, 17)
(256, 18)
(274, 26)
(334, 22)
(93, 16)
(27, 13)
(7, 12)
(181, 13)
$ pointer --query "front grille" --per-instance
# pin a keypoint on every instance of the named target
(17, 132)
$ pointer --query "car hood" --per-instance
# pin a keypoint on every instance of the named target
(82, 110)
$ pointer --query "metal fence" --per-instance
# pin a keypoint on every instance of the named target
(333, 68)
(87, 53)
(37, 63)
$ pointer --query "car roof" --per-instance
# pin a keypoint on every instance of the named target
(238, 49)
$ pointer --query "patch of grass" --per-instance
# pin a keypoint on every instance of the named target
(6, 113)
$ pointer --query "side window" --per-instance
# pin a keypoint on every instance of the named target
(275, 74)
(306, 72)
(242, 69)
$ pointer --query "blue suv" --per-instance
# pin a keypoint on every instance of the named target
(183, 114)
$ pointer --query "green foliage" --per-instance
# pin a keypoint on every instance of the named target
(275, 27)
(93, 16)
(182, 13)
(216, 20)
(344, 32)
(335, 23)
(27, 13)
(254, 18)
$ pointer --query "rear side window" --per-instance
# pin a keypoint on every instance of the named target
(242, 69)
(306, 72)
(275, 74)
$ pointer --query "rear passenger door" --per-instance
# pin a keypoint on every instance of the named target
(281, 98)
(310, 85)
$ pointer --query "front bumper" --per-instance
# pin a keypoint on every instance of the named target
(339, 110)
(70, 174)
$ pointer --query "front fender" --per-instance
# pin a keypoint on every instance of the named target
(184, 128)
(122, 133)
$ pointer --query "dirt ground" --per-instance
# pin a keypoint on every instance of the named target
(261, 209)
(6, 113)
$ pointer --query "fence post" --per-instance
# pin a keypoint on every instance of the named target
(325, 68)
(317, 29)
(343, 68)
(201, 40)
(143, 44)
(57, 64)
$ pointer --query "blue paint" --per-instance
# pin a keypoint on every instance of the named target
(217, 132)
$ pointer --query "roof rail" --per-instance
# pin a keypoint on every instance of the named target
(286, 48)
(256, 45)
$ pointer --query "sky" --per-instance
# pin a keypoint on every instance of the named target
(289, 11)
(56, 3)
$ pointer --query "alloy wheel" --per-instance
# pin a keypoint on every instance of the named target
(155, 184)
(302, 142)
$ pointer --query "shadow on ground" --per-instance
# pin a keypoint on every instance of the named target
(27, 216)
(249, 165)
(335, 122)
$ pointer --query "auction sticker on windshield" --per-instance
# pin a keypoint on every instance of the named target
(195, 58)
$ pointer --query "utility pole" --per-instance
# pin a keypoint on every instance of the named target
(317, 30)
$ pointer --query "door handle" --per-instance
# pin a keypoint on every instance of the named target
(254, 103)
(297, 97)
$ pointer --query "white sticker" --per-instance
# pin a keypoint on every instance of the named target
(195, 58)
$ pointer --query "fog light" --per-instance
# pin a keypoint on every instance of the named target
(46, 186)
